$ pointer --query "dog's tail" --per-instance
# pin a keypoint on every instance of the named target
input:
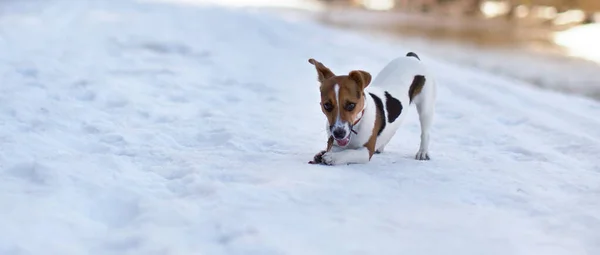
(412, 54)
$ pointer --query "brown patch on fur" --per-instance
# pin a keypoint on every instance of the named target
(351, 89)
(362, 78)
(322, 71)
(379, 122)
(416, 86)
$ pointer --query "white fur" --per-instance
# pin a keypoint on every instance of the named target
(338, 120)
(395, 78)
(359, 155)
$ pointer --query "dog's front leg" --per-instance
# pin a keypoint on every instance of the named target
(349, 156)
(318, 158)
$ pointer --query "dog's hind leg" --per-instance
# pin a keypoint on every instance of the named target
(381, 147)
(425, 102)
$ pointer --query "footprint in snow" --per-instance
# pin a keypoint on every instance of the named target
(28, 72)
(96, 128)
(114, 139)
(30, 171)
(13, 250)
(86, 95)
(166, 119)
(258, 88)
(83, 83)
(165, 48)
(35, 84)
(80, 90)
(213, 138)
(116, 102)
(522, 154)
(227, 82)
(206, 114)
(232, 98)
(178, 98)
(513, 121)
(114, 209)
(454, 115)
(205, 139)
(183, 188)
(231, 234)
(144, 114)
(120, 243)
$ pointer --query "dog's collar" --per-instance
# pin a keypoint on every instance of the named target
(362, 113)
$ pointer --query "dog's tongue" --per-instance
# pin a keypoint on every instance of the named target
(342, 142)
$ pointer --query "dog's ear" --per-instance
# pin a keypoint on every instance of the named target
(361, 78)
(322, 71)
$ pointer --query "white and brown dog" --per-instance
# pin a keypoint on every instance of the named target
(362, 116)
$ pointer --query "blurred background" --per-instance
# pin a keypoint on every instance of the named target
(554, 44)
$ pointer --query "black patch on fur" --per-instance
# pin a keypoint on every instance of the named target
(416, 87)
(393, 106)
(412, 54)
(379, 106)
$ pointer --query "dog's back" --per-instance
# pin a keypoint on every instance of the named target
(398, 75)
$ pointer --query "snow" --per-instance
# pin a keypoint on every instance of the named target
(157, 128)
(582, 40)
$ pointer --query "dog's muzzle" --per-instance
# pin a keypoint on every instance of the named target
(341, 135)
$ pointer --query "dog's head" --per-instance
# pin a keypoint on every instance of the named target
(342, 99)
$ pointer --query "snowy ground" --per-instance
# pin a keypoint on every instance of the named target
(148, 128)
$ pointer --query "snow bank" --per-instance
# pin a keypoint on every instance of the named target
(312, 5)
(582, 41)
(540, 69)
(139, 128)
(535, 63)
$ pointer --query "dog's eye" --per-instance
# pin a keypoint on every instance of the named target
(328, 107)
(350, 106)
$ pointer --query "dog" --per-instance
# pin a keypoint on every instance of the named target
(363, 115)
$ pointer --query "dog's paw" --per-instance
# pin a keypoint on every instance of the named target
(318, 158)
(328, 158)
(422, 155)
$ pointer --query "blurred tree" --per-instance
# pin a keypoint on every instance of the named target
(473, 7)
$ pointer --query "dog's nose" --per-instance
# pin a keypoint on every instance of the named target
(339, 133)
